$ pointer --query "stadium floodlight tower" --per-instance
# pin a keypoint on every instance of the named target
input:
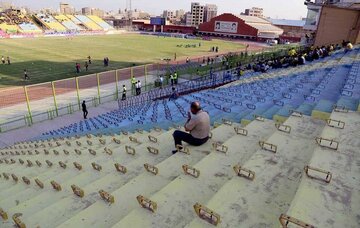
(129, 11)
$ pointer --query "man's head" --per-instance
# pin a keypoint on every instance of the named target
(195, 107)
(83, 102)
(123, 85)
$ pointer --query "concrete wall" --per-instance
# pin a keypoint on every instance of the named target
(336, 25)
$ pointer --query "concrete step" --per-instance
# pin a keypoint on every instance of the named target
(175, 200)
(144, 184)
(41, 199)
(44, 171)
(259, 203)
(333, 204)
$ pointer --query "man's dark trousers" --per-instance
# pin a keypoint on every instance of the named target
(180, 136)
(85, 113)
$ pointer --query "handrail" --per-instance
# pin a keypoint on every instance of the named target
(184, 87)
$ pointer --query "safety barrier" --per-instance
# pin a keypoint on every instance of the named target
(211, 81)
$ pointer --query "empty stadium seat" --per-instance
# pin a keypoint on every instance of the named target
(90, 24)
(100, 22)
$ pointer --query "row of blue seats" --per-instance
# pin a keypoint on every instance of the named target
(318, 89)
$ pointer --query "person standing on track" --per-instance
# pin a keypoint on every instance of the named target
(84, 109)
(124, 93)
(3, 60)
(176, 78)
(77, 66)
(133, 85)
(172, 79)
(86, 66)
(26, 77)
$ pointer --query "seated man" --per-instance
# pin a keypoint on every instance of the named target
(198, 125)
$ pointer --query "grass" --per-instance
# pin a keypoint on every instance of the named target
(49, 59)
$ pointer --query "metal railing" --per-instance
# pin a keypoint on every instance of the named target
(24, 106)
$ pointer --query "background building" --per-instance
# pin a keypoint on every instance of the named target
(197, 14)
(93, 11)
(314, 10)
(254, 11)
(242, 26)
(188, 19)
(179, 14)
(293, 29)
(168, 14)
(86, 11)
(337, 24)
(210, 12)
(66, 8)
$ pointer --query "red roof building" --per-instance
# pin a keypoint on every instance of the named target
(247, 27)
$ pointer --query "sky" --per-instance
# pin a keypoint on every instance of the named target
(282, 9)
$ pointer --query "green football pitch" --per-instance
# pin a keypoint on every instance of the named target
(49, 59)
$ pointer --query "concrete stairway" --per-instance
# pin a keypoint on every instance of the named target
(330, 196)
(175, 200)
(258, 199)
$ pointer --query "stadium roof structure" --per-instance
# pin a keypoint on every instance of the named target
(263, 26)
(286, 22)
